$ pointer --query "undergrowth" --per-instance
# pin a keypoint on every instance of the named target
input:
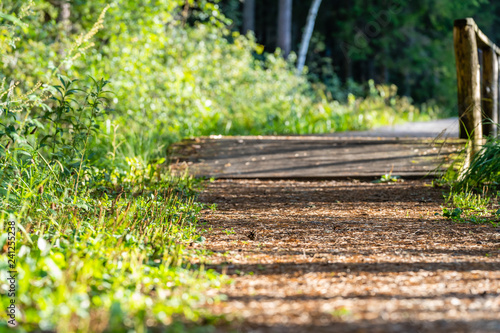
(95, 247)
(474, 192)
(91, 240)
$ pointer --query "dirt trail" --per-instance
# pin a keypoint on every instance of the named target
(350, 257)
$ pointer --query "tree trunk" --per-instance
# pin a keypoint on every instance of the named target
(407, 83)
(348, 65)
(385, 75)
(371, 68)
(386, 58)
(64, 16)
(306, 36)
(285, 26)
(248, 16)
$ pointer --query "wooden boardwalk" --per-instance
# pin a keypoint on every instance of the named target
(313, 157)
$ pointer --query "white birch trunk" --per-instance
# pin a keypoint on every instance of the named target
(306, 36)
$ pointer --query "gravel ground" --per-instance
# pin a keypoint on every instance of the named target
(349, 257)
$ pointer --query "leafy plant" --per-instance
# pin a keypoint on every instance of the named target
(473, 191)
(388, 178)
(229, 231)
(101, 242)
(471, 207)
(454, 214)
(484, 169)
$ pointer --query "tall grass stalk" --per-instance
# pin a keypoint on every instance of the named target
(484, 169)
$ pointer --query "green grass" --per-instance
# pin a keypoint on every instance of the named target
(116, 259)
(484, 170)
(100, 239)
(470, 207)
(473, 195)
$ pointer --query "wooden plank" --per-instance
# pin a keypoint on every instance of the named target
(312, 157)
(483, 42)
(490, 92)
(468, 80)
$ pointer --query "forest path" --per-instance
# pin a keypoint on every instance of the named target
(338, 256)
(444, 128)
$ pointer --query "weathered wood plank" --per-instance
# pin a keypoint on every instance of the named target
(313, 157)
(468, 80)
(490, 92)
(483, 42)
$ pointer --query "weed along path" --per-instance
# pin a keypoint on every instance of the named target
(340, 256)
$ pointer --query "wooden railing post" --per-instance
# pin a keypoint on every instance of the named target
(490, 92)
(468, 79)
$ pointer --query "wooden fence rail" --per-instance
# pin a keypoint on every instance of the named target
(477, 60)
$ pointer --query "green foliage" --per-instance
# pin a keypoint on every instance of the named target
(407, 43)
(209, 82)
(109, 260)
(97, 248)
(388, 178)
(472, 207)
(452, 213)
(484, 169)
(176, 76)
(54, 143)
(101, 237)
(473, 196)
(470, 201)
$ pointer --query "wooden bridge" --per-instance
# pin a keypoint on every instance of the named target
(347, 155)
(314, 157)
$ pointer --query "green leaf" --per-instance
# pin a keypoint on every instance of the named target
(452, 214)
(3, 239)
(13, 19)
(53, 270)
(457, 212)
(42, 244)
(200, 239)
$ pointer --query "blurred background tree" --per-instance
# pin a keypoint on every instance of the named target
(406, 43)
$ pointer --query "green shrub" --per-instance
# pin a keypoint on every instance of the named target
(175, 77)
(96, 248)
(100, 239)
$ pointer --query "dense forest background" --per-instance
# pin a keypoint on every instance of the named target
(407, 43)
